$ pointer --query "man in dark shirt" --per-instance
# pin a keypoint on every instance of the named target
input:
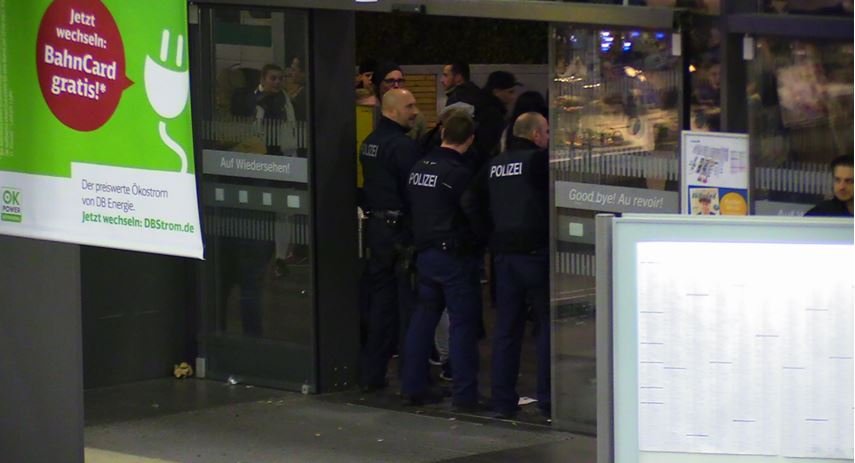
(448, 229)
(494, 101)
(518, 186)
(458, 87)
(387, 155)
(841, 204)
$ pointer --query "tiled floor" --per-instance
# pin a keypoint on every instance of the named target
(205, 421)
(105, 456)
(168, 420)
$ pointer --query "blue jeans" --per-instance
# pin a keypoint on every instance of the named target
(521, 279)
(445, 280)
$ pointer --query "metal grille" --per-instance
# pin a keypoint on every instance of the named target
(234, 129)
(299, 228)
(571, 263)
(237, 223)
(624, 162)
(807, 178)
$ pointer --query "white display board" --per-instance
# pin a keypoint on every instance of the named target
(733, 339)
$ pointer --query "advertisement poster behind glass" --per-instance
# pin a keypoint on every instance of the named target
(715, 173)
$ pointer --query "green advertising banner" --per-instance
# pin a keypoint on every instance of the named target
(95, 126)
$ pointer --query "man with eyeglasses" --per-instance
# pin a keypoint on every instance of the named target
(389, 76)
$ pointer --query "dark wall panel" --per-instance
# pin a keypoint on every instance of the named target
(137, 315)
(334, 177)
(41, 384)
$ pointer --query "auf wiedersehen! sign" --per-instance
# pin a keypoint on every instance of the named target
(95, 130)
(606, 198)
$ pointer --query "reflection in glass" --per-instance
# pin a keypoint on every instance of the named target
(257, 293)
(614, 115)
(256, 225)
(615, 102)
(705, 71)
(700, 6)
(812, 7)
(260, 94)
(800, 117)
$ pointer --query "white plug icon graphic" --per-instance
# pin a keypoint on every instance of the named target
(168, 90)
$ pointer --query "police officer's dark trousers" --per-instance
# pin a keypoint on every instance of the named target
(390, 299)
(446, 279)
(520, 279)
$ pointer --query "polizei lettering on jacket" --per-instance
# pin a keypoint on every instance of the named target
(506, 170)
(370, 150)
(426, 180)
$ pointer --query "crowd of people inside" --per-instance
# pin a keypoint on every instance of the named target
(435, 201)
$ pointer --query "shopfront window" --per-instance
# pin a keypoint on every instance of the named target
(256, 192)
(705, 72)
(699, 6)
(800, 118)
(601, 2)
(615, 125)
(811, 7)
(615, 99)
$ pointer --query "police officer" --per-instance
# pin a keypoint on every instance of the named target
(387, 155)
(518, 186)
(448, 227)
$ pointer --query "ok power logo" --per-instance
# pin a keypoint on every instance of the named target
(11, 205)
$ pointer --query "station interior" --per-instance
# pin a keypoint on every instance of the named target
(277, 381)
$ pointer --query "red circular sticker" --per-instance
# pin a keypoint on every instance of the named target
(80, 60)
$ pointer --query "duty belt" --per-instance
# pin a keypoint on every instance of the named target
(453, 246)
(383, 213)
(392, 218)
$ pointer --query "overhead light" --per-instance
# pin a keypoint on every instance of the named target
(366, 1)
(631, 71)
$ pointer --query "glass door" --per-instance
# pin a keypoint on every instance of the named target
(615, 123)
(251, 111)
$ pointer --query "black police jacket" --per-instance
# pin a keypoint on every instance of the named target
(387, 155)
(518, 188)
(443, 208)
(433, 139)
(831, 208)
